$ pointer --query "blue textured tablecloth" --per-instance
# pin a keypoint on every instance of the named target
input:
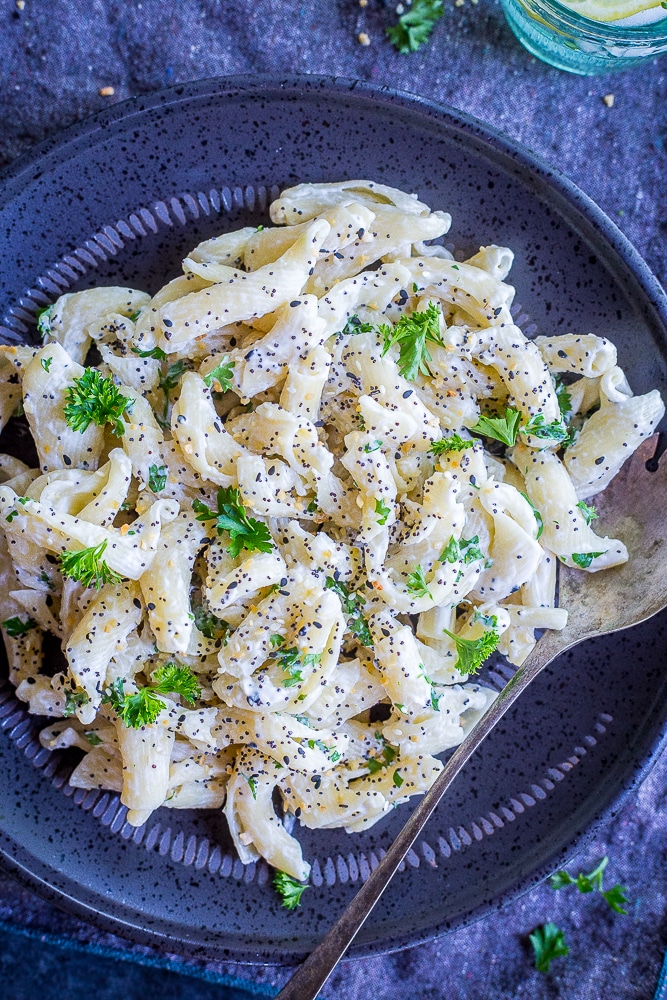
(57, 55)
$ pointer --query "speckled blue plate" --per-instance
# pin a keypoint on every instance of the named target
(120, 198)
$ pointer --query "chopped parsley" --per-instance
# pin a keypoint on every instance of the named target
(43, 317)
(134, 710)
(412, 333)
(417, 585)
(548, 942)
(173, 678)
(16, 627)
(383, 512)
(354, 325)
(352, 602)
(289, 889)
(563, 396)
(88, 567)
(208, 623)
(74, 700)
(244, 532)
(93, 739)
(584, 559)
(473, 652)
(389, 755)
(154, 352)
(291, 661)
(94, 399)
(503, 429)
(466, 550)
(590, 513)
(46, 364)
(252, 784)
(592, 882)
(555, 431)
(220, 378)
(157, 477)
(372, 446)
(397, 779)
(452, 443)
(414, 27)
(133, 317)
(538, 516)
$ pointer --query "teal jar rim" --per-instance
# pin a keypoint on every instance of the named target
(559, 15)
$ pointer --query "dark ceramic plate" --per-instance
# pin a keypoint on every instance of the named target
(119, 198)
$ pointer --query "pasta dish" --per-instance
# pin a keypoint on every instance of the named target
(283, 510)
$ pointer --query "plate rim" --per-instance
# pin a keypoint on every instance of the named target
(595, 226)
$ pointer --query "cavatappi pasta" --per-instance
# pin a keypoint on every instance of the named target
(300, 495)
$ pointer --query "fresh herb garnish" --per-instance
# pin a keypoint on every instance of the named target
(167, 381)
(590, 513)
(417, 585)
(43, 317)
(501, 428)
(16, 627)
(412, 333)
(252, 784)
(466, 549)
(584, 559)
(372, 446)
(548, 942)
(538, 516)
(88, 567)
(488, 621)
(473, 652)
(289, 889)
(220, 378)
(414, 27)
(94, 399)
(134, 710)
(133, 317)
(93, 739)
(157, 477)
(155, 352)
(291, 661)
(244, 532)
(563, 396)
(452, 443)
(383, 512)
(397, 779)
(555, 431)
(450, 553)
(74, 700)
(354, 325)
(389, 754)
(592, 882)
(46, 364)
(352, 602)
(173, 678)
(312, 507)
(208, 623)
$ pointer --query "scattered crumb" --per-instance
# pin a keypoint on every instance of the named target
(609, 100)
(363, 3)
(459, 3)
(107, 91)
(20, 4)
(364, 39)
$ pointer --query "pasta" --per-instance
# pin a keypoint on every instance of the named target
(308, 488)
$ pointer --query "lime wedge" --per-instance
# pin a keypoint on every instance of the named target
(610, 10)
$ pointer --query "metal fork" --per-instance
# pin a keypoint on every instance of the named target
(633, 508)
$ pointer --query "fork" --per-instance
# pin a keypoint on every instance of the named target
(632, 508)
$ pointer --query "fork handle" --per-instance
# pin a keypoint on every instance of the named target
(309, 979)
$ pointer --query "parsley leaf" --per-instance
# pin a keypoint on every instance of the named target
(466, 549)
(43, 317)
(289, 889)
(383, 512)
(292, 661)
(157, 477)
(15, 626)
(88, 567)
(590, 513)
(452, 443)
(417, 585)
(501, 428)
(592, 882)
(94, 399)
(352, 603)
(415, 25)
(155, 352)
(93, 739)
(134, 710)
(548, 942)
(538, 516)
(563, 396)
(555, 431)
(398, 779)
(450, 553)
(354, 325)
(412, 333)
(220, 378)
(584, 559)
(73, 700)
(473, 652)
(372, 446)
(244, 532)
(252, 784)
(46, 364)
(616, 898)
(173, 678)
(208, 623)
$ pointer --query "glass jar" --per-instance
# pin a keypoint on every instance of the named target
(565, 39)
